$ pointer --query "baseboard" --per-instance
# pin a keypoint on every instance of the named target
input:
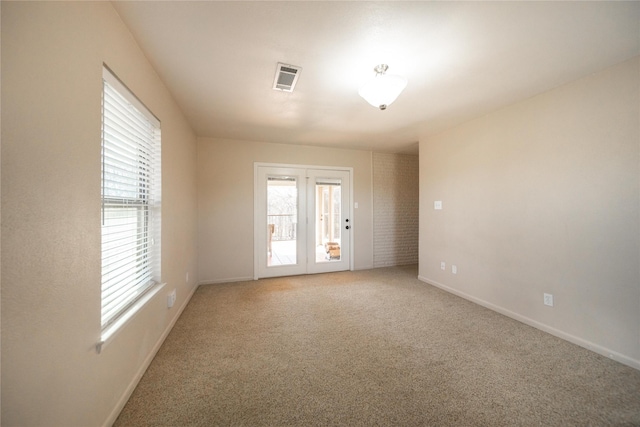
(228, 280)
(534, 323)
(143, 368)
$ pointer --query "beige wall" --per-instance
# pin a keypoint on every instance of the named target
(52, 55)
(395, 209)
(543, 196)
(540, 197)
(225, 201)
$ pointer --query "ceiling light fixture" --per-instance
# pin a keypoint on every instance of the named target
(382, 89)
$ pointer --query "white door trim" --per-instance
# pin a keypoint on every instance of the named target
(257, 220)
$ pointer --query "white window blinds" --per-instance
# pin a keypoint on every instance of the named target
(130, 199)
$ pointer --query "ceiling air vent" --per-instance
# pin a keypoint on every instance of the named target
(286, 77)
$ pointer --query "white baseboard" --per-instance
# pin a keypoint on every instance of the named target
(143, 368)
(228, 280)
(534, 323)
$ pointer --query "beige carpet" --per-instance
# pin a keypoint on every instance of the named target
(370, 348)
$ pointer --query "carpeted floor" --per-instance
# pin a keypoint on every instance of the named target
(370, 348)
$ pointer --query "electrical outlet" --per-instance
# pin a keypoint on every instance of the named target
(548, 300)
(171, 299)
(437, 205)
(443, 266)
(454, 269)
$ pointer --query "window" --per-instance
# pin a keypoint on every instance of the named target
(130, 202)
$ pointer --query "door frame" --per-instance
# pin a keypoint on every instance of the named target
(257, 222)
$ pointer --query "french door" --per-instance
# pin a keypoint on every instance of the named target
(302, 220)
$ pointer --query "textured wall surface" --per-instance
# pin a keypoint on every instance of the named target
(225, 199)
(395, 209)
(52, 59)
(543, 197)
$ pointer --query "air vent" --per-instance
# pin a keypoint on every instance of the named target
(286, 77)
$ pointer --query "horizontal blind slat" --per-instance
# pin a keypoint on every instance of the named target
(116, 288)
(122, 259)
(112, 310)
(130, 183)
(120, 111)
(122, 138)
(116, 150)
(114, 294)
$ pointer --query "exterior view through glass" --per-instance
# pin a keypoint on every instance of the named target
(282, 220)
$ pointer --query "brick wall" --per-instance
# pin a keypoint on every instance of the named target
(395, 209)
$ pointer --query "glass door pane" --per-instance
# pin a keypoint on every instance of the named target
(328, 219)
(329, 231)
(282, 220)
(301, 221)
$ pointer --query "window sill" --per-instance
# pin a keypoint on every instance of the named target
(112, 330)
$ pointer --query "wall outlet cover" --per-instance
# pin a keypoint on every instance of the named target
(171, 299)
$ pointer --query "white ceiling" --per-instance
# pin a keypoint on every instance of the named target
(462, 60)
